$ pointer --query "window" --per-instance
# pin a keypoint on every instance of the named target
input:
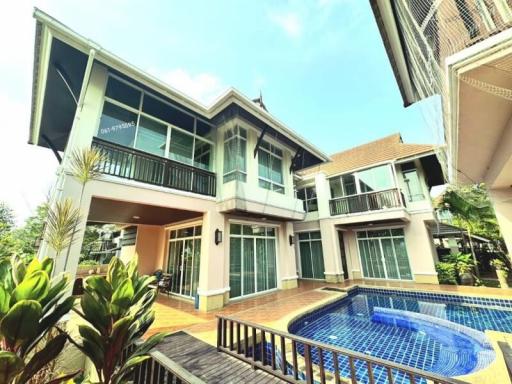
(369, 180)
(383, 254)
(252, 259)
(133, 118)
(308, 196)
(151, 137)
(235, 148)
(412, 182)
(375, 179)
(117, 125)
(270, 167)
(311, 255)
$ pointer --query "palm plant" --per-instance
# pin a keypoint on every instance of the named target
(31, 305)
(118, 312)
(61, 224)
(85, 165)
(472, 209)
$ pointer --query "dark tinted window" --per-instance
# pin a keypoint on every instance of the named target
(167, 113)
(122, 92)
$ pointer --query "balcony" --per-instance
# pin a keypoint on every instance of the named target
(372, 201)
(133, 164)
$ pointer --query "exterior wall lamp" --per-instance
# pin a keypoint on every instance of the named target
(218, 236)
(291, 239)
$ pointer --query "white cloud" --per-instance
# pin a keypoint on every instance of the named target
(289, 22)
(204, 87)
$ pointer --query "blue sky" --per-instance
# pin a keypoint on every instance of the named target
(320, 65)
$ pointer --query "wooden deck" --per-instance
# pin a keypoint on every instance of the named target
(206, 363)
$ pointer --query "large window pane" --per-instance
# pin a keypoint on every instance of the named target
(195, 270)
(235, 155)
(235, 267)
(122, 92)
(151, 137)
(117, 125)
(202, 154)
(167, 112)
(306, 264)
(375, 179)
(270, 168)
(349, 185)
(271, 264)
(336, 189)
(248, 266)
(413, 185)
(181, 146)
(261, 265)
(402, 259)
(389, 258)
(317, 256)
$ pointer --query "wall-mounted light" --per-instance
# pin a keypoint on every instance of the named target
(218, 236)
(291, 239)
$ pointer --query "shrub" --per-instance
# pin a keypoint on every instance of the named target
(446, 273)
(31, 305)
(118, 310)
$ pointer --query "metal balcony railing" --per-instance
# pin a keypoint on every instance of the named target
(372, 201)
(137, 165)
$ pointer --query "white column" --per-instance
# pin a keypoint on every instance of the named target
(213, 281)
(502, 202)
(331, 251)
(323, 195)
(287, 264)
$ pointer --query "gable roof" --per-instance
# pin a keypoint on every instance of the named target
(385, 149)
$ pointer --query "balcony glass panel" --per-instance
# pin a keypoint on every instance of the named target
(167, 112)
(151, 137)
(123, 92)
(375, 179)
(181, 147)
(203, 154)
(117, 125)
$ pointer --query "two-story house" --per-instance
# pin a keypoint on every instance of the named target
(461, 51)
(204, 193)
(369, 214)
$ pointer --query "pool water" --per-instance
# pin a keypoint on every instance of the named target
(430, 332)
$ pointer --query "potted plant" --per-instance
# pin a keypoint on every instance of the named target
(466, 273)
(501, 271)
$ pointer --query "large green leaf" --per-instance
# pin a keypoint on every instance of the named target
(33, 266)
(33, 287)
(6, 275)
(48, 353)
(47, 265)
(96, 311)
(58, 287)
(20, 324)
(92, 336)
(122, 297)
(116, 272)
(120, 336)
(141, 286)
(150, 343)
(127, 367)
(5, 298)
(18, 270)
(100, 285)
(10, 366)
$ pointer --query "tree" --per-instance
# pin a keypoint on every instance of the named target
(32, 231)
(472, 210)
(7, 240)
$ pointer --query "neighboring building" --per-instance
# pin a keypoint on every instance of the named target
(209, 192)
(462, 51)
(369, 214)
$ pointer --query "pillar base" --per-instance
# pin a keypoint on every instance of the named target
(425, 279)
(213, 302)
(334, 277)
(289, 283)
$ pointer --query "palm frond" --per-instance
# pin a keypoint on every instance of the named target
(86, 164)
(61, 225)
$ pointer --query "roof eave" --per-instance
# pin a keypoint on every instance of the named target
(83, 44)
(391, 38)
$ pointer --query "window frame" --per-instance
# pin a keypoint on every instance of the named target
(236, 136)
(170, 127)
(357, 181)
(307, 200)
(281, 159)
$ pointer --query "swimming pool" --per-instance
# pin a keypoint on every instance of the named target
(434, 332)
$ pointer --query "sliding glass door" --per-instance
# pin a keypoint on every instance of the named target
(252, 259)
(311, 255)
(383, 254)
(184, 260)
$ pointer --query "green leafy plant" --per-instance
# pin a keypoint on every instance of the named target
(31, 305)
(118, 311)
(61, 225)
(446, 273)
(499, 265)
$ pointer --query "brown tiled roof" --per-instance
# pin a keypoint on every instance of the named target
(378, 151)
